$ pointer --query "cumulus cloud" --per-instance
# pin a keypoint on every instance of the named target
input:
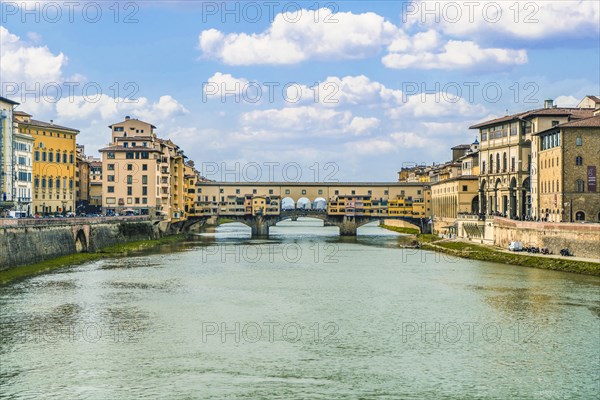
(435, 105)
(107, 108)
(360, 125)
(539, 20)
(21, 62)
(308, 119)
(455, 55)
(297, 37)
(567, 101)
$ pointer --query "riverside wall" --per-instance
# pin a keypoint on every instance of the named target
(582, 239)
(28, 242)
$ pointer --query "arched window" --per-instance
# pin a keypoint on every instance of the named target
(578, 160)
(552, 186)
(491, 164)
(497, 162)
(579, 186)
(579, 216)
(504, 162)
(557, 186)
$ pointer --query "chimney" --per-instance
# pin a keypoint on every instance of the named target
(127, 118)
(549, 103)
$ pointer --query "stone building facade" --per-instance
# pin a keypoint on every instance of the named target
(568, 161)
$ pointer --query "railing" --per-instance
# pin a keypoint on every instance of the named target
(5, 222)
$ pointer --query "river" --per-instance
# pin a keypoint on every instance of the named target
(303, 315)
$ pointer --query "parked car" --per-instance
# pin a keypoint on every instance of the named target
(515, 246)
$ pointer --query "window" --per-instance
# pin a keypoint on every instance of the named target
(129, 167)
(144, 167)
(579, 216)
(110, 167)
(137, 200)
(71, 158)
(497, 162)
(221, 190)
(287, 191)
(58, 183)
(129, 190)
(144, 200)
(504, 162)
(270, 191)
(110, 156)
(70, 183)
(483, 167)
(37, 155)
(464, 188)
(303, 191)
(579, 186)
(337, 192)
(578, 160)
(145, 155)
(578, 141)
(513, 164)
(110, 178)
(44, 183)
(50, 183)
(129, 179)
(129, 155)
(145, 179)
(43, 156)
(386, 192)
(118, 129)
(144, 191)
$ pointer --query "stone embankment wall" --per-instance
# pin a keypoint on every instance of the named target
(31, 243)
(582, 239)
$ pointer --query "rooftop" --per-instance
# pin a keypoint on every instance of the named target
(556, 111)
(42, 124)
(4, 99)
(591, 122)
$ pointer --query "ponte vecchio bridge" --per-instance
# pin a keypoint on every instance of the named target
(347, 205)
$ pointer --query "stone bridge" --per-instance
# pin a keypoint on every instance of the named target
(348, 224)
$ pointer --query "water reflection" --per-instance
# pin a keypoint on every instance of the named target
(301, 314)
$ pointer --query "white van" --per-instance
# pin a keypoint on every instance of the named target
(17, 214)
(515, 246)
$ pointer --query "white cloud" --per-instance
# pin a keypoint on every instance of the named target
(310, 120)
(531, 20)
(435, 105)
(220, 86)
(567, 101)
(296, 37)
(455, 55)
(22, 63)
(108, 108)
(360, 125)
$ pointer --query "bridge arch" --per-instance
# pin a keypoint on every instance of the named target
(320, 203)
(81, 242)
(288, 203)
(304, 203)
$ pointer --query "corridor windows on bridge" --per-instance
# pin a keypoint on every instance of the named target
(237, 191)
(303, 192)
(287, 191)
(578, 160)
(579, 186)
(270, 191)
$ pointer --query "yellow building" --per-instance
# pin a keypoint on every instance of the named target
(451, 197)
(189, 188)
(54, 164)
(82, 180)
(95, 181)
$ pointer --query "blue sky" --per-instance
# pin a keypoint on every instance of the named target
(370, 61)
